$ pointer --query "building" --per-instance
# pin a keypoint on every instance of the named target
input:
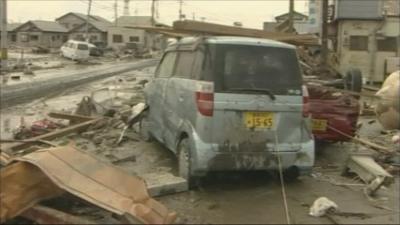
(75, 23)
(300, 23)
(314, 16)
(367, 38)
(120, 33)
(41, 33)
(11, 35)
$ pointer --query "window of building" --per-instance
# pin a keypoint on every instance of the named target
(75, 25)
(13, 37)
(79, 37)
(24, 37)
(184, 64)
(359, 43)
(33, 37)
(117, 38)
(388, 44)
(66, 25)
(93, 37)
(133, 39)
(53, 38)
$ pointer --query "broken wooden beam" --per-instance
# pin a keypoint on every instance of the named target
(369, 171)
(218, 29)
(46, 215)
(9, 148)
(373, 146)
(72, 118)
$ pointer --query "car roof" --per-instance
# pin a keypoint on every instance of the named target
(191, 42)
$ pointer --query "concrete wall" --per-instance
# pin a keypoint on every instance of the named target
(70, 21)
(370, 61)
(126, 34)
(356, 9)
(44, 39)
(94, 36)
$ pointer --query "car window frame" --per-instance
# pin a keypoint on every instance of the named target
(190, 75)
(157, 72)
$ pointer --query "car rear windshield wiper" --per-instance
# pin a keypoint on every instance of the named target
(255, 90)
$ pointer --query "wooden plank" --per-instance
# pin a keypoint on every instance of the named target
(194, 28)
(218, 29)
(45, 215)
(49, 136)
(374, 146)
(60, 115)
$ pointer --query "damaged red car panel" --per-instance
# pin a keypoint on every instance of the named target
(332, 109)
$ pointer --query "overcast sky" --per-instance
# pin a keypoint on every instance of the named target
(250, 13)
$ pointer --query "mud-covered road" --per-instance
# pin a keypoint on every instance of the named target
(227, 198)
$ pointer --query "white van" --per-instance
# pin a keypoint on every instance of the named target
(75, 50)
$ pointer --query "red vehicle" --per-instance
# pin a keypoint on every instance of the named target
(335, 110)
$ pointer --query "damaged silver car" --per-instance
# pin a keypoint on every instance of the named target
(230, 103)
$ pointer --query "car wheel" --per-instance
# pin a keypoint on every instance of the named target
(184, 165)
(144, 128)
(291, 174)
(353, 80)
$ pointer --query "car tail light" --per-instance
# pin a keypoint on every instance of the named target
(205, 98)
(306, 103)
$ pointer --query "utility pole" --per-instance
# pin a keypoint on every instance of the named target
(116, 12)
(87, 21)
(3, 22)
(153, 10)
(126, 8)
(180, 9)
(291, 15)
(324, 34)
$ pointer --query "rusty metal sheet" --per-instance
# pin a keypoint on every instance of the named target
(99, 183)
(22, 186)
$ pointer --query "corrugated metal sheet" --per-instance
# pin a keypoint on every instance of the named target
(356, 9)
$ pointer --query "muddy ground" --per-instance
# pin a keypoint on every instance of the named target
(235, 197)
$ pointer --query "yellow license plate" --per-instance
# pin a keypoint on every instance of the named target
(259, 119)
(319, 125)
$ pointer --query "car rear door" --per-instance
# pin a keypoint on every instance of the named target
(179, 100)
(257, 99)
(156, 92)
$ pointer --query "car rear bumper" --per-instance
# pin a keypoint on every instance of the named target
(205, 158)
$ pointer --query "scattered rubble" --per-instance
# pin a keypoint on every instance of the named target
(388, 107)
(321, 206)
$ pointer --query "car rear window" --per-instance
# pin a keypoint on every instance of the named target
(256, 67)
(83, 47)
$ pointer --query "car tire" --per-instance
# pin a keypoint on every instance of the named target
(144, 130)
(184, 165)
(291, 174)
(353, 80)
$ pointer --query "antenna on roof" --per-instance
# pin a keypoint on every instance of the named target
(126, 8)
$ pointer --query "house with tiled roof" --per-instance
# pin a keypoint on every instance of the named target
(122, 33)
(11, 35)
(42, 33)
(76, 25)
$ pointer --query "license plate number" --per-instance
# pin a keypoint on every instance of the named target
(319, 125)
(259, 119)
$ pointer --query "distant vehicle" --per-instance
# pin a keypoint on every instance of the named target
(75, 50)
(231, 103)
(94, 50)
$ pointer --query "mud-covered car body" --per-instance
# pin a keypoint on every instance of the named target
(238, 102)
